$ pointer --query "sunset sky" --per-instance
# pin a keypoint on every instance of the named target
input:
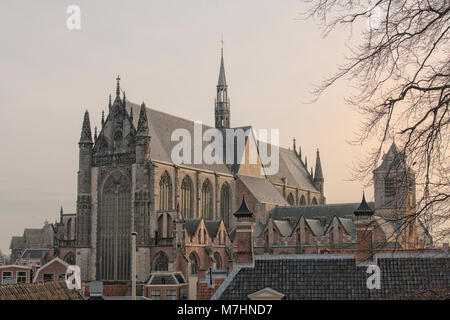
(167, 53)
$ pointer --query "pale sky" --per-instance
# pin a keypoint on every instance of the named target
(167, 53)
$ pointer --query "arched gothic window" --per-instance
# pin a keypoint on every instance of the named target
(302, 200)
(186, 198)
(165, 192)
(218, 260)
(114, 228)
(207, 210)
(314, 201)
(290, 199)
(195, 263)
(161, 262)
(70, 258)
(225, 197)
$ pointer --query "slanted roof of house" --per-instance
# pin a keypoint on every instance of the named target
(326, 211)
(53, 261)
(212, 226)
(54, 290)
(35, 253)
(16, 242)
(284, 227)
(315, 226)
(337, 276)
(191, 225)
(263, 190)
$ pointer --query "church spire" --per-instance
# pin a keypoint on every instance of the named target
(222, 107)
(86, 135)
(118, 86)
(318, 178)
(222, 79)
(142, 128)
(318, 175)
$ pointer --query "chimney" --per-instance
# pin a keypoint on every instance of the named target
(244, 234)
(364, 232)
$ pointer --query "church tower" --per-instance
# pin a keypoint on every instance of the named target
(318, 178)
(222, 105)
(395, 194)
(85, 144)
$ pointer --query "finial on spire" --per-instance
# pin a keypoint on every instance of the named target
(124, 98)
(103, 118)
(118, 86)
(95, 133)
(294, 146)
(131, 113)
(110, 103)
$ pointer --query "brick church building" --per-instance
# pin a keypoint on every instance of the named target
(183, 213)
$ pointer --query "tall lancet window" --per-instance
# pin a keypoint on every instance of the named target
(290, 199)
(225, 204)
(113, 229)
(207, 212)
(165, 192)
(186, 198)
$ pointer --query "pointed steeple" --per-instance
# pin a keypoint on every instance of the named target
(243, 210)
(318, 175)
(86, 135)
(118, 87)
(142, 129)
(131, 114)
(222, 105)
(222, 80)
(364, 209)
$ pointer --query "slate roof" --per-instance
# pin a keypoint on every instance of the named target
(16, 242)
(284, 227)
(337, 276)
(326, 212)
(161, 126)
(35, 253)
(55, 290)
(38, 237)
(291, 168)
(212, 226)
(191, 226)
(263, 190)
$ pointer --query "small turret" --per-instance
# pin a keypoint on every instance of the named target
(244, 234)
(319, 181)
